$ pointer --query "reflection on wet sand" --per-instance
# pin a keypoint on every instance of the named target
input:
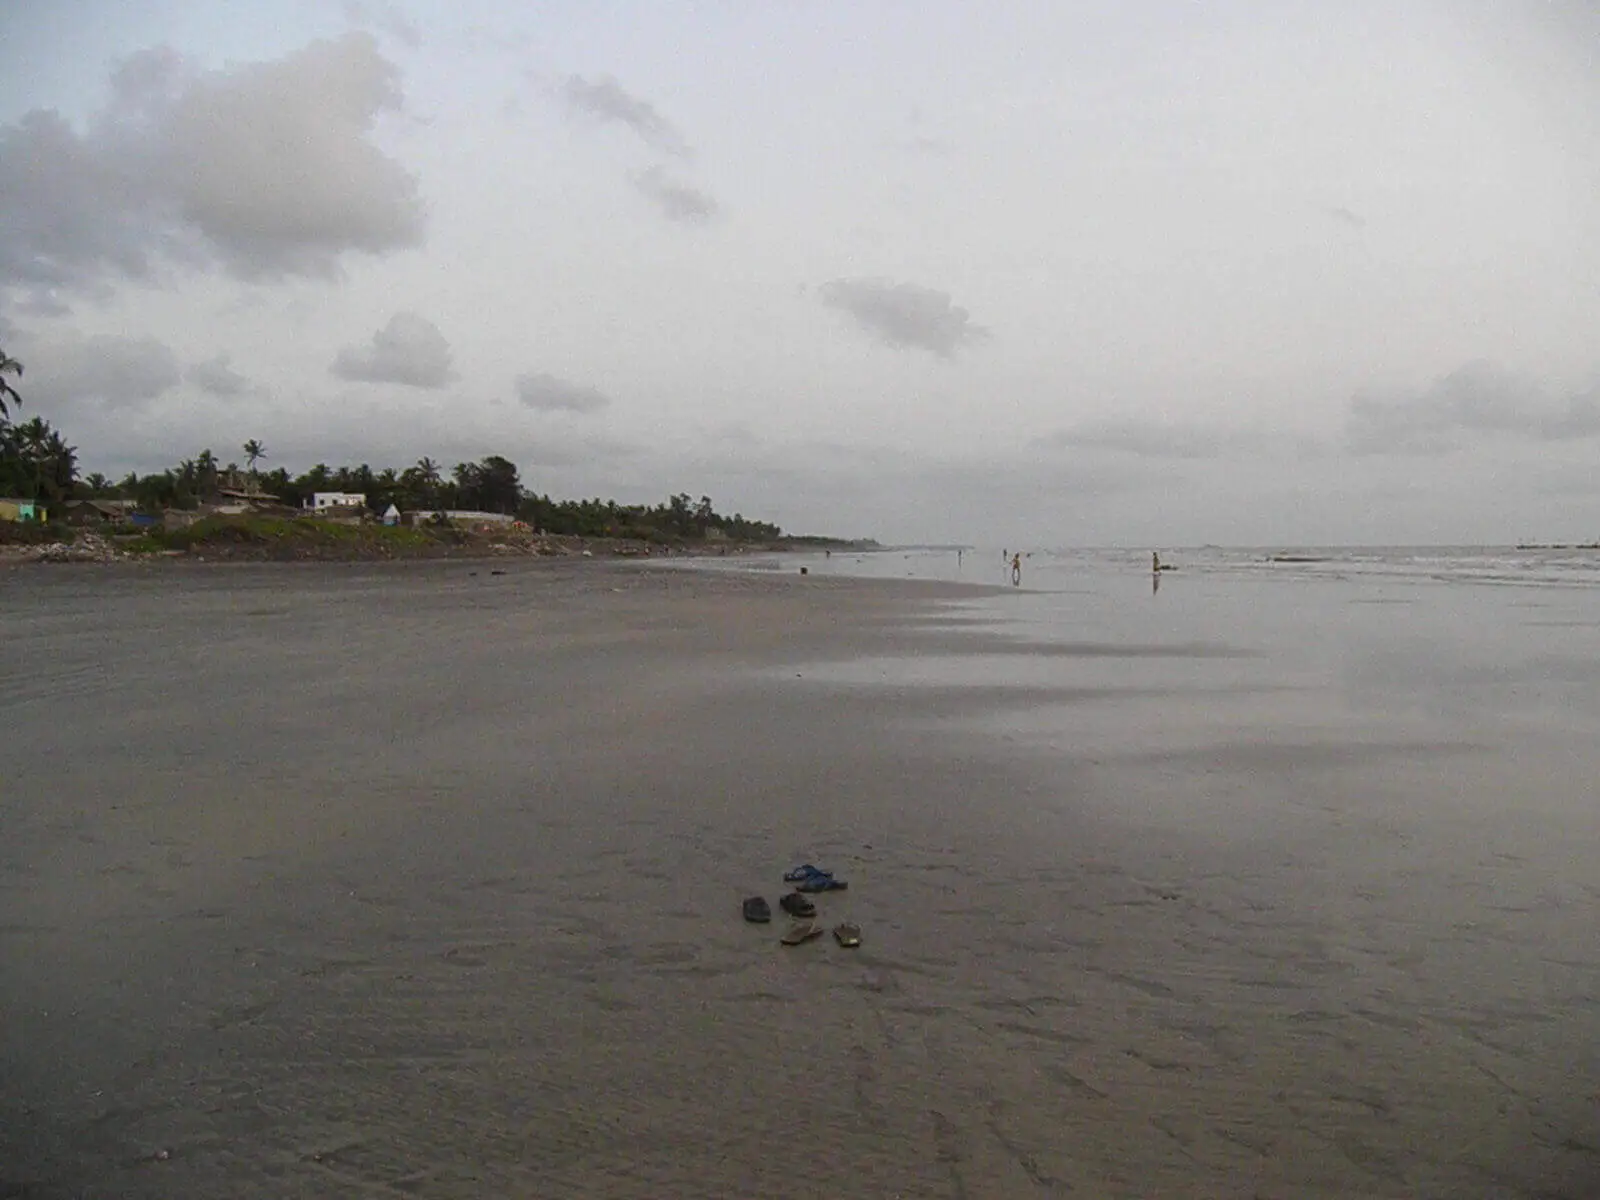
(362, 881)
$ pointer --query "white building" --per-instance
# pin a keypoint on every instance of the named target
(322, 500)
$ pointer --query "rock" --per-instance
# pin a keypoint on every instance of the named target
(90, 548)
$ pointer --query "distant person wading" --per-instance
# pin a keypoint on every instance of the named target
(1016, 570)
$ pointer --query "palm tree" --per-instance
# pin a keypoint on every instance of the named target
(11, 366)
(206, 470)
(61, 461)
(428, 476)
(254, 451)
(51, 464)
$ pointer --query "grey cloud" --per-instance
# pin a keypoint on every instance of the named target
(677, 201)
(1345, 216)
(607, 101)
(76, 207)
(100, 370)
(1479, 398)
(1149, 439)
(265, 168)
(215, 376)
(547, 393)
(408, 350)
(1576, 417)
(904, 315)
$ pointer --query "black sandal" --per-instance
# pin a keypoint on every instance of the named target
(797, 905)
(757, 910)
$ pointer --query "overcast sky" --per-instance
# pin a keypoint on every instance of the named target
(1053, 273)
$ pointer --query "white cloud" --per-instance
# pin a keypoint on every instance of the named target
(408, 350)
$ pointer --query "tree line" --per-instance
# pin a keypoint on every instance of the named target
(36, 463)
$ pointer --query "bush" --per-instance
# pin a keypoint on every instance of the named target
(35, 533)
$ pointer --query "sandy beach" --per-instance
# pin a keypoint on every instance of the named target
(381, 880)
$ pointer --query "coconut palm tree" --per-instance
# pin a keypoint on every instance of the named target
(59, 468)
(48, 466)
(11, 366)
(206, 472)
(428, 477)
(254, 451)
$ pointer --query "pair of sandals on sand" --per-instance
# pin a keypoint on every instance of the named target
(806, 878)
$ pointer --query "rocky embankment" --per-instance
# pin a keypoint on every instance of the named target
(88, 548)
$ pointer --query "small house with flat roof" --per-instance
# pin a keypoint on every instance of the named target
(321, 501)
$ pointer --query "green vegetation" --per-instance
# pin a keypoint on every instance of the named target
(267, 531)
(8, 366)
(300, 537)
(36, 463)
(491, 485)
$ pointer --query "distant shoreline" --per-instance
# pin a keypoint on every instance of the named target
(258, 539)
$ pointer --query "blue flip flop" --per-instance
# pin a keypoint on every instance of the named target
(821, 883)
(806, 872)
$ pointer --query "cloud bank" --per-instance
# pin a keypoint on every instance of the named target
(1179, 440)
(1479, 398)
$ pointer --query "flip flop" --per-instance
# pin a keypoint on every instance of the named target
(797, 905)
(801, 931)
(847, 934)
(757, 910)
(804, 872)
(821, 883)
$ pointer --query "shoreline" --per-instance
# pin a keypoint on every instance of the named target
(367, 545)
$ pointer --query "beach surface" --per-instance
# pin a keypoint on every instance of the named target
(422, 880)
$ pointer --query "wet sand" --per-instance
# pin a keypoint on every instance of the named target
(378, 881)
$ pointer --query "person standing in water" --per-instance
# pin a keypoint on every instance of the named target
(1155, 560)
(1016, 570)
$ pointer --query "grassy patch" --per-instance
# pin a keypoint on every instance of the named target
(297, 537)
